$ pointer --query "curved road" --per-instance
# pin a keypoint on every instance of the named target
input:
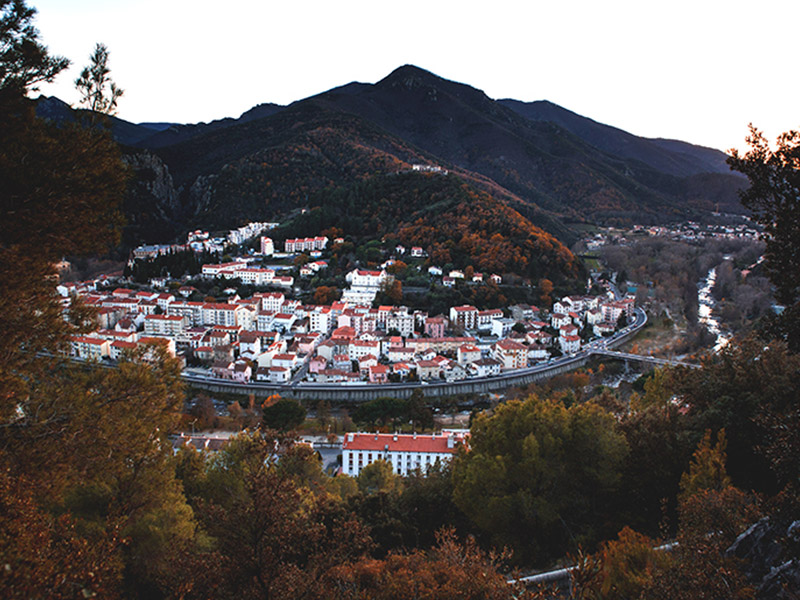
(365, 391)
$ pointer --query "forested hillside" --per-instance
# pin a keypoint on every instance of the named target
(450, 219)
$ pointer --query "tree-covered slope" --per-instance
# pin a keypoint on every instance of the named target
(448, 217)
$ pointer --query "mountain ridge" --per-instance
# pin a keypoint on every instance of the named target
(552, 166)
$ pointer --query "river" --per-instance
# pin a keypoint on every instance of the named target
(705, 310)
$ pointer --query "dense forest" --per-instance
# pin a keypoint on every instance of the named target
(94, 503)
(452, 221)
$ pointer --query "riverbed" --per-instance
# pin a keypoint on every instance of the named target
(705, 310)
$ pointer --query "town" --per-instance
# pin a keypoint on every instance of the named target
(271, 337)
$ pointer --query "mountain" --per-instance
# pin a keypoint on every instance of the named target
(54, 109)
(177, 133)
(568, 173)
(668, 156)
(551, 167)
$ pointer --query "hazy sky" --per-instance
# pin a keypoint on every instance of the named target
(697, 70)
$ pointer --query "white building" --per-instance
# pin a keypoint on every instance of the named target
(465, 316)
(360, 278)
(167, 325)
(404, 452)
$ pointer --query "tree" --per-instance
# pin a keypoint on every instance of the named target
(539, 474)
(377, 477)
(732, 390)
(271, 538)
(710, 521)
(545, 289)
(325, 295)
(707, 469)
(24, 60)
(283, 415)
(452, 569)
(98, 92)
(90, 445)
(774, 198)
(621, 569)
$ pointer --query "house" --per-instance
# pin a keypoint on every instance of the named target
(359, 348)
(559, 320)
(404, 452)
(378, 373)
(402, 369)
(538, 352)
(567, 330)
(510, 354)
(400, 354)
(502, 326)
(570, 344)
(362, 278)
(435, 327)
(467, 353)
(166, 325)
(485, 317)
(90, 348)
(242, 371)
(366, 362)
(317, 364)
(341, 362)
(524, 312)
(223, 369)
(250, 343)
(279, 374)
(287, 360)
(454, 372)
(118, 347)
(602, 328)
(428, 369)
(204, 353)
(485, 367)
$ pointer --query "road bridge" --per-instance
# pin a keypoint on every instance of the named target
(661, 362)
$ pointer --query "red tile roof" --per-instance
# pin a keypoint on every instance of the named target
(398, 443)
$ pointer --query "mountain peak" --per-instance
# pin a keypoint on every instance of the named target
(408, 76)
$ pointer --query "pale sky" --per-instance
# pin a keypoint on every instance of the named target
(697, 70)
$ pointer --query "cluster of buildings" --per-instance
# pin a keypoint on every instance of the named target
(689, 231)
(201, 241)
(269, 337)
(247, 273)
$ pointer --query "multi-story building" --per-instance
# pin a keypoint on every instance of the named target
(404, 452)
(305, 244)
(216, 313)
(321, 319)
(402, 322)
(465, 316)
(511, 354)
(166, 325)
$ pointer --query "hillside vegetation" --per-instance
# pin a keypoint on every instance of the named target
(454, 222)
